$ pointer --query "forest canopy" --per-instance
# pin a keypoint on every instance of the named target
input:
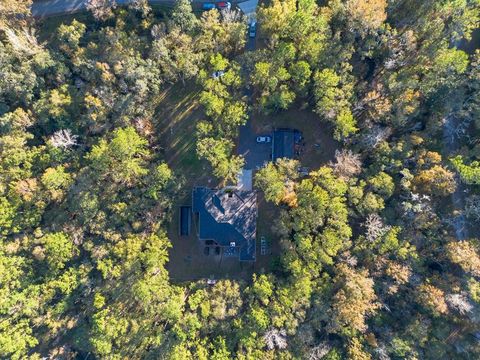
(379, 248)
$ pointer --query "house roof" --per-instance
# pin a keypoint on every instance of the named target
(283, 144)
(226, 217)
(248, 7)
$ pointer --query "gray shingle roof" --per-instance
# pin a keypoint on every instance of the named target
(226, 217)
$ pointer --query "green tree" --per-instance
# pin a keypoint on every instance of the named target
(56, 181)
(470, 174)
(54, 106)
(219, 153)
(69, 36)
(122, 159)
(332, 102)
(277, 180)
(300, 72)
(58, 250)
(176, 56)
(183, 16)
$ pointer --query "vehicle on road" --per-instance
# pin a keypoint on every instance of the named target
(218, 74)
(252, 29)
(224, 5)
(208, 6)
(264, 139)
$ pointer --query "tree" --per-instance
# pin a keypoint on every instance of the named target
(464, 254)
(382, 184)
(225, 300)
(101, 9)
(63, 139)
(183, 16)
(272, 82)
(176, 56)
(332, 102)
(327, 93)
(219, 153)
(470, 174)
(447, 65)
(220, 33)
(162, 177)
(316, 224)
(122, 159)
(54, 106)
(472, 207)
(69, 37)
(57, 249)
(375, 228)
(345, 124)
(353, 301)
(276, 339)
(433, 299)
(301, 74)
(436, 181)
(16, 339)
(460, 303)
(356, 352)
(277, 180)
(7, 216)
(56, 181)
(141, 5)
(366, 15)
(14, 12)
(262, 288)
(347, 164)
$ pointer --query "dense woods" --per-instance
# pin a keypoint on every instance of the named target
(380, 249)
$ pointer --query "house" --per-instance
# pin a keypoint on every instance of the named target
(228, 217)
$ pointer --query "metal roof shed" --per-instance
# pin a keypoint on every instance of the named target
(283, 144)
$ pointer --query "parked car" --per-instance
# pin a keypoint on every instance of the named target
(224, 5)
(252, 29)
(218, 74)
(303, 171)
(264, 139)
(208, 6)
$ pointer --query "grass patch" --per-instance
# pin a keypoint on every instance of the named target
(176, 117)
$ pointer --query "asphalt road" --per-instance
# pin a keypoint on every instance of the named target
(44, 8)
